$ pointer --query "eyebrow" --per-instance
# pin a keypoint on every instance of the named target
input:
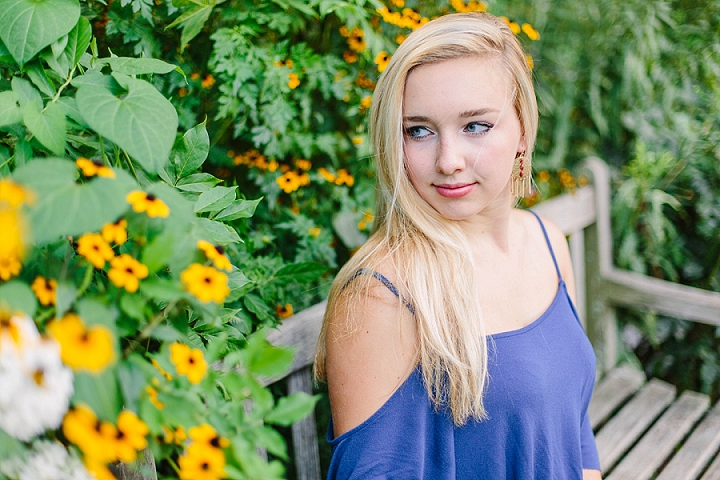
(466, 114)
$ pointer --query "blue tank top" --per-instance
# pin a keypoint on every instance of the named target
(540, 382)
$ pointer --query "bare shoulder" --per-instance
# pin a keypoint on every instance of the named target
(371, 348)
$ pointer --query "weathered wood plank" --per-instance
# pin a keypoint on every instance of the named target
(300, 332)
(697, 451)
(571, 212)
(142, 469)
(660, 441)
(713, 473)
(304, 433)
(667, 298)
(623, 430)
(612, 391)
(576, 243)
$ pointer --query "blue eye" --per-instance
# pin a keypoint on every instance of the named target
(478, 128)
(417, 132)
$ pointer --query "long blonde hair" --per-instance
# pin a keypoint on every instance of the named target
(431, 256)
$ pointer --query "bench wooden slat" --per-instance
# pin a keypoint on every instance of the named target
(304, 433)
(698, 450)
(619, 384)
(713, 473)
(623, 430)
(660, 441)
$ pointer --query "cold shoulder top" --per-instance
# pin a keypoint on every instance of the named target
(540, 382)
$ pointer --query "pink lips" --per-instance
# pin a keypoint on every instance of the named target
(456, 190)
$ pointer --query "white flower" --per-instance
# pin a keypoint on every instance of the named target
(47, 461)
(41, 391)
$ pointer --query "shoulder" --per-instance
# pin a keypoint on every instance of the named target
(370, 346)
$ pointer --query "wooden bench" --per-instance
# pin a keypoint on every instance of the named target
(643, 428)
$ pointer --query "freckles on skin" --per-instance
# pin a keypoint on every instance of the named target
(462, 134)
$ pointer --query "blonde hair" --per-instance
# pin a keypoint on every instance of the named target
(431, 256)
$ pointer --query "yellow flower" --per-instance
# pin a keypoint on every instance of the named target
(400, 39)
(202, 463)
(530, 31)
(9, 267)
(206, 435)
(344, 178)
(381, 60)
(284, 311)
(12, 194)
(162, 371)
(366, 101)
(530, 62)
(95, 249)
(303, 164)
(206, 283)
(45, 289)
(94, 438)
(216, 253)
(357, 140)
(314, 232)
(325, 173)
(12, 240)
(188, 361)
(303, 178)
(90, 168)
(293, 81)
(356, 40)
(208, 81)
(288, 182)
(126, 272)
(543, 176)
(398, 3)
(82, 348)
(153, 396)
(149, 203)
(194, 76)
(350, 56)
(115, 232)
(130, 438)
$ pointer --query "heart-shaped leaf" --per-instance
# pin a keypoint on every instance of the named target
(28, 26)
(143, 122)
(192, 152)
(48, 125)
(9, 109)
(138, 66)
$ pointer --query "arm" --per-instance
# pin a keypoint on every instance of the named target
(369, 355)
(591, 475)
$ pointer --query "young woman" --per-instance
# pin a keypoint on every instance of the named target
(451, 346)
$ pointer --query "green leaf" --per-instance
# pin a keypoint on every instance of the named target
(78, 40)
(132, 382)
(143, 122)
(238, 209)
(17, 295)
(26, 93)
(37, 75)
(302, 272)
(272, 361)
(95, 78)
(66, 295)
(162, 289)
(10, 447)
(64, 208)
(158, 252)
(193, 150)
(48, 125)
(133, 305)
(9, 109)
(257, 306)
(193, 21)
(167, 333)
(99, 392)
(217, 232)
(215, 199)
(94, 312)
(28, 26)
(292, 408)
(138, 66)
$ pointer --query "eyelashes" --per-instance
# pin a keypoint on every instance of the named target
(419, 132)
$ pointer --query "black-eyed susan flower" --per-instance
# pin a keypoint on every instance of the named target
(162, 371)
(94, 438)
(303, 164)
(349, 56)
(288, 182)
(206, 283)
(366, 101)
(208, 81)
(344, 178)
(177, 436)
(148, 203)
(202, 463)
(45, 290)
(91, 168)
(115, 232)
(131, 436)
(82, 348)
(530, 61)
(188, 361)
(293, 81)
(216, 253)
(12, 194)
(284, 311)
(327, 175)
(531, 33)
(205, 434)
(126, 272)
(12, 241)
(314, 232)
(95, 249)
(398, 3)
(381, 60)
(9, 266)
(356, 40)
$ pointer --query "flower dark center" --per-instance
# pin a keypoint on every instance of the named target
(150, 197)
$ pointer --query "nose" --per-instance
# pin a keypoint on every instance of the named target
(449, 156)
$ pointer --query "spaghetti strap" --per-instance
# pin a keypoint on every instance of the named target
(379, 276)
(547, 239)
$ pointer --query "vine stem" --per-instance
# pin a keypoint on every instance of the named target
(62, 87)
(156, 320)
(132, 167)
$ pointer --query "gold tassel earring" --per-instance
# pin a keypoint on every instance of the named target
(521, 179)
